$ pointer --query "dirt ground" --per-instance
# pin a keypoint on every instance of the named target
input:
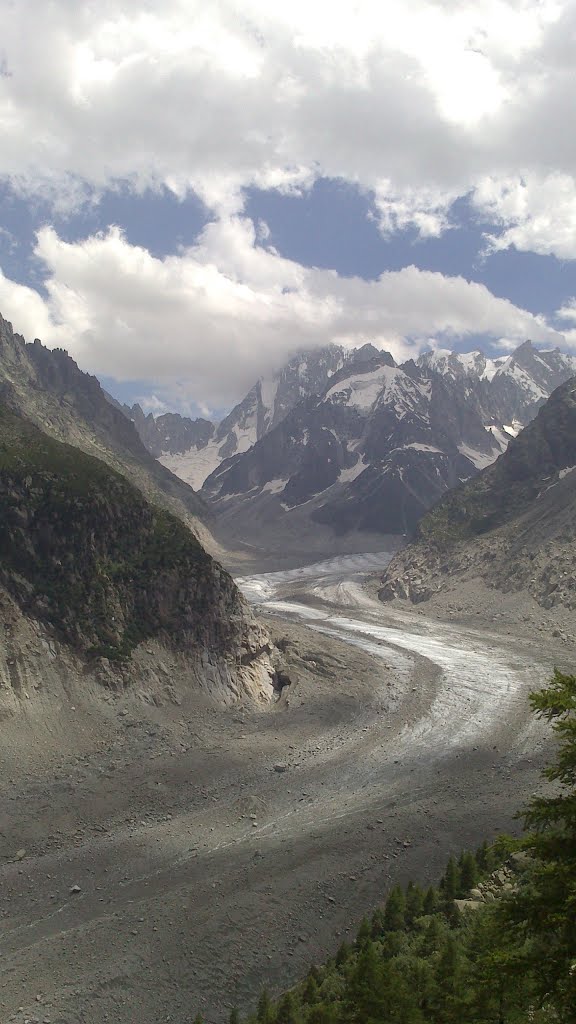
(203, 872)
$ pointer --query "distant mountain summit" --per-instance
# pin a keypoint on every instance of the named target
(192, 449)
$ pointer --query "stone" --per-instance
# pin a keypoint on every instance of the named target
(20, 854)
(466, 905)
(280, 767)
(74, 890)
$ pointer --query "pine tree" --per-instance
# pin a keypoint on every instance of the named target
(264, 1011)
(362, 997)
(447, 1001)
(377, 924)
(499, 986)
(325, 1013)
(414, 903)
(485, 859)
(434, 936)
(311, 993)
(343, 954)
(543, 907)
(451, 882)
(395, 911)
(431, 901)
(286, 1013)
(364, 933)
(468, 873)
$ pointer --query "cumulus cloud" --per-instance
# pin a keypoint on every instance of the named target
(536, 214)
(208, 321)
(418, 103)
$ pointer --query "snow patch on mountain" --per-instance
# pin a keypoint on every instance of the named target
(478, 459)
(194, 465)
(362, 391)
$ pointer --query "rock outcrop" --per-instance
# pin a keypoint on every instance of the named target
(500, 882)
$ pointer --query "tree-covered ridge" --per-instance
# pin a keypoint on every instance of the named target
(508, 960)
(81, 549)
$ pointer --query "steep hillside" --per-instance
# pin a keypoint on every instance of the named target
(83, 553)
(513, 526)
(47, 387)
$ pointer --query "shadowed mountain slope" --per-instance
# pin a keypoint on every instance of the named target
(513, 526)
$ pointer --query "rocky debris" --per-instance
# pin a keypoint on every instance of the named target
(19, 855)
(500, 882)
(74, 890)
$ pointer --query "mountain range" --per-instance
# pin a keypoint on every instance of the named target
(343, 447)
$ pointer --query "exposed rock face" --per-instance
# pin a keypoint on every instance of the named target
(380, 445)
(47, 387)
(265, 405)
(513, 526)
(170, 433)
(83, 554)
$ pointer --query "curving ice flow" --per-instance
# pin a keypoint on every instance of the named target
(481, 681)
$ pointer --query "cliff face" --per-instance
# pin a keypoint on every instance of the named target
(47, 388)
(513, 526)
(82, 552)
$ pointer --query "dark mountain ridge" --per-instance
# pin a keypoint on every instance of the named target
(49, 389)
(513, 526)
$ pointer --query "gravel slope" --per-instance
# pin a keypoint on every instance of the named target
(203, 871)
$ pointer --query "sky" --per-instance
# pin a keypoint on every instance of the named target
(190, 193)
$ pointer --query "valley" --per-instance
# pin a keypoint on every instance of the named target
(288, 513)
(204, 871)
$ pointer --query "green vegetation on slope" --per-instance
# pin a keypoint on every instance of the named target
(511, 960)
(81, 549)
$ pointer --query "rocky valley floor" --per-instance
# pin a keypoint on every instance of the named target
(174, 859)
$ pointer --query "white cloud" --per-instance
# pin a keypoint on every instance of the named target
(418, 100)
(153, 404)
(425, 209)
(537, 214)
(567, 312)
(207, 322)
